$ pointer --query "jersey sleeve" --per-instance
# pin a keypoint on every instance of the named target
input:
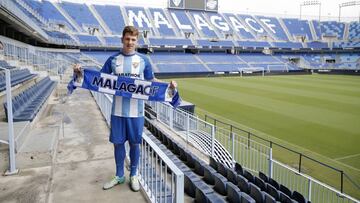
(107, 66)
(148, 72)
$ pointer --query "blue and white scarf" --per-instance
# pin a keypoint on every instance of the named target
(125, 87)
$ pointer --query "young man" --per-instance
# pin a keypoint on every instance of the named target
(127, 115)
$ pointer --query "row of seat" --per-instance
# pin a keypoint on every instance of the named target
(27, 104)
(277, 190)
(4, 64)
(201, 181)
(235, 182)
(17, 76)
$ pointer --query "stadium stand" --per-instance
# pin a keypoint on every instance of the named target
(202, 25)
(27, 104)
(174, 42)
(238, 27)
(161, 22)
(209, 43)
(111, 14)
(17, 76)
(354, 31)
(274, 27)
(81, 14)
(298, 27)
(330, 28)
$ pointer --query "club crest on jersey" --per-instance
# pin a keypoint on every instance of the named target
(135, 64)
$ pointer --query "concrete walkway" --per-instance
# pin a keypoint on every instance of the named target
(81, 158)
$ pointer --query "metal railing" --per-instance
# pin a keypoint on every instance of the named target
(41, 59)
(184, 123)
(160, 178)
(253, 153)
(11, 141)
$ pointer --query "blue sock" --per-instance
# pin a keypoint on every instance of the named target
(134, 158)
(119, 152)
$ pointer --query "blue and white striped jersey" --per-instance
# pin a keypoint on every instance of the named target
(134, 66)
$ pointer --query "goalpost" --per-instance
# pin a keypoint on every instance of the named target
(278, 67)
(252, 70)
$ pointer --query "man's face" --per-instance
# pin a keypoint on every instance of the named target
(129, 43)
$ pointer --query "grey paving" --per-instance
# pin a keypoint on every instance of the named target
(67, 158)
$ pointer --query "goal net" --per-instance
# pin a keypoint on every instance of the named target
(278, 68)
(252, 70)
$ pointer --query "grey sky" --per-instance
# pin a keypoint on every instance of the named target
(329, 8)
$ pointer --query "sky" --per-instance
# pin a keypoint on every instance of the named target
(290, 8)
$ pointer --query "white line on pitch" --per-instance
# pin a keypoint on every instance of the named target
(345, 157)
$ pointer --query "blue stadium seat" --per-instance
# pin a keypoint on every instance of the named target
(274, 183)
(206, 29)
(184, 20)
(271, 190)
(263, 177)
(269, 198)
(81, 14)
(249, 176)
(297, 27)
(209, 173)
(165, 28)
(252, 24)
(243, 184)
(260, 183)
(206, 195)
(170, 42)
(112, 16)
(285, 190)
(27, 104)
(190, 160)
(221, 168)
(298, 197)
(232, 176)
(285, 199)
(245, 198)
(241, 30)
(199, 167)
(238, 168)
(176, 148)
(183, 153)
(233, 193)
(213, 163)
(191, 181)
(354, 31)
(256, 193)
(220, 184)
(274, 27)
(48, 11)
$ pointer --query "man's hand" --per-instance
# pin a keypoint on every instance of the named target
(77, 69)
(173, 84)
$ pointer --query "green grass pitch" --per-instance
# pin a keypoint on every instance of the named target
(318, 115)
